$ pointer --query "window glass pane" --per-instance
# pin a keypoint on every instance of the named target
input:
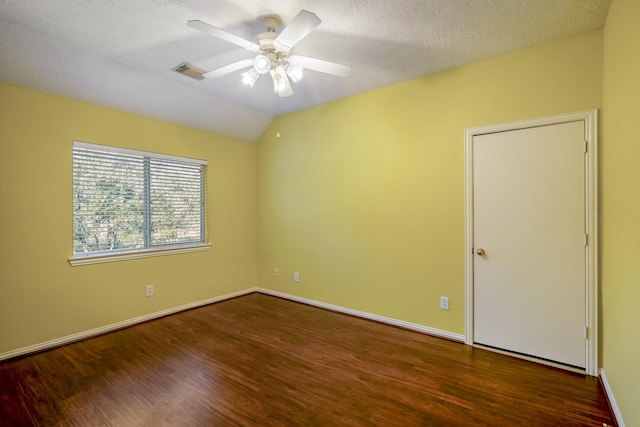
(108, 201)
(176, 202)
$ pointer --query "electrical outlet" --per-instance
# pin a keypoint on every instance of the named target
(444, 303)
(296, 277)
(149, 290)
(276, 272)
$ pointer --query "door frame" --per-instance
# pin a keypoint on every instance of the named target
(591, 182)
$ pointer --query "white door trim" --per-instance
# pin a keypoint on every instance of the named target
(591, 163)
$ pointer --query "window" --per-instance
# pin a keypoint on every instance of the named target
(130, 204)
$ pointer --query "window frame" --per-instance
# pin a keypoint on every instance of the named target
(152, 250)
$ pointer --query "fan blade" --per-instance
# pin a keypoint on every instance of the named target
(219, 72)
(321, 65)
(303, 23)
(223, 35)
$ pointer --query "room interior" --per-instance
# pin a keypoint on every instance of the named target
(362, 195)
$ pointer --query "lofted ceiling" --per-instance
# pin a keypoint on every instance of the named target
(120, 53)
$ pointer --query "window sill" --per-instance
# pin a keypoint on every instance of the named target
(102, 257)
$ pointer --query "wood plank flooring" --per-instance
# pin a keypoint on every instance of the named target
(258, 360)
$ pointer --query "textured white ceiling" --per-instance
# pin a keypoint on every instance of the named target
(120, 53)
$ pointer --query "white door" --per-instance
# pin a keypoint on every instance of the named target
(529, 286)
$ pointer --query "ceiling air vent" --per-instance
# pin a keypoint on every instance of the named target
(189, 70)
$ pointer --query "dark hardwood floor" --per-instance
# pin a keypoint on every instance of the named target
(263, 361)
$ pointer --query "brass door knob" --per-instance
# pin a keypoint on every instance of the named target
(481, 252)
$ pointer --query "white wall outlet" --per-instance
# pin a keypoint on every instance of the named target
(296, 277)
(276, 272)
(149, 290)
(444, 303)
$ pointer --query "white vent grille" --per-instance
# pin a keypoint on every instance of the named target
(189, 70)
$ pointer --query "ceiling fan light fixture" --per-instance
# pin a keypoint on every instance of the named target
(250, 77)
(281, 84)
(262, 64)
(295, 72)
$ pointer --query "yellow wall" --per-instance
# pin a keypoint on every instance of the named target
(364, 197)
(41, 296)
(620, 207)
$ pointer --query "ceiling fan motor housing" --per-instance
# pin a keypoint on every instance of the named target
(268, 47)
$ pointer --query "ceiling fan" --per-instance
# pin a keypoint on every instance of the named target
(273, 53)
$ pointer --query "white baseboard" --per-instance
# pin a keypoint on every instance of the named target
(612, 400)
(130, 322)
(388, 320)
(119, 325)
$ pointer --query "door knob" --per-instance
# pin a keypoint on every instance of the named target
(480, 252)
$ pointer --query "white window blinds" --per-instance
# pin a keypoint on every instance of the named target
(125, 200)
